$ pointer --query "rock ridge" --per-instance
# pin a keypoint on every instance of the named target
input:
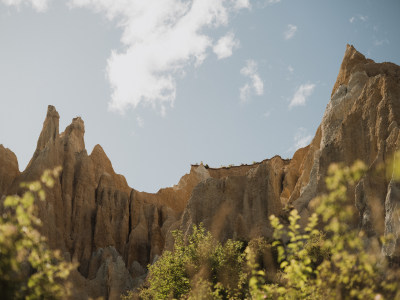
(115, 231)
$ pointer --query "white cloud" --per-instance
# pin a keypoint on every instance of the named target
(380, 42)
(290, 31)
(363, 18)
(301, 94)
(256, 86)
(161, 39)
(245, 92)
(225, 45)
(239, 4)
(38, 5)
(290, 69)
(140, 121)
(302, 138)
(359, 18)
(265, 3)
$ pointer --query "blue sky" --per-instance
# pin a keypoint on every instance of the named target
(162, 84)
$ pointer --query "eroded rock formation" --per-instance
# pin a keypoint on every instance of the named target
(360, 122)
(114, 231)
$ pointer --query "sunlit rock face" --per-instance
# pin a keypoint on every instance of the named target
(114, 231)
(9, 170)
(238, 205)
(92, 215)
(360, 122)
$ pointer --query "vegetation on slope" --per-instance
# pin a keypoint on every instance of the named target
(201, 267)
(327, 259)
(340, 263)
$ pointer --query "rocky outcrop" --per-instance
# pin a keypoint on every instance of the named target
(237, 206)
(92, 215)
(360, 122)
(9, 170)
(114, 231)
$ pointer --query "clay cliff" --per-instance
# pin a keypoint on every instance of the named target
(360, 122)
(92, 215)
(114, 231)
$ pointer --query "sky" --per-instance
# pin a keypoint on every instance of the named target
(163, 84)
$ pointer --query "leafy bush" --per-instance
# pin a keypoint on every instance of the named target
(339, 264)
(28, 268)
(201, 268)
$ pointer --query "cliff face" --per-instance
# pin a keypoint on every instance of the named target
(238, 205)
(9, 170)
(92, 215)
(360, 122)
(114, 231)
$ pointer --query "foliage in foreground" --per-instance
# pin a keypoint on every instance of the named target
(202, 268)
(341, 264)
(338, 262)
(28, 268)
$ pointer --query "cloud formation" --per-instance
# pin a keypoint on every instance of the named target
(358, 17)
(160, 39)
(380, 42)
(239, 4)
(256, 85)
(140, 121)
(301, 138)
(290, 31)
(301, 94)
(38, 5)
(225, 45)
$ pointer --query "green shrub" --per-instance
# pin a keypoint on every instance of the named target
(201, 268)
(28, 268)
